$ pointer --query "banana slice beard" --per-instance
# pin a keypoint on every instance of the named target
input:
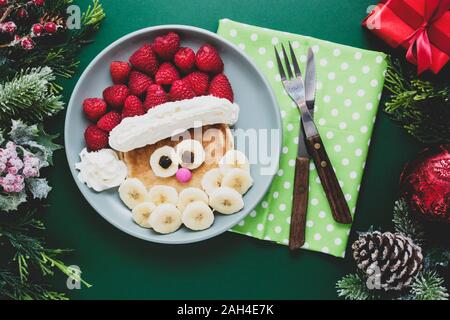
(190, 195)
(142, 212)
(191, 154)
(164, 162)
(233, 159)
(160, 194)
(212, 180)
(238, 179)
(133, 192)
(197, 216)
(166, 218)
(226, 200)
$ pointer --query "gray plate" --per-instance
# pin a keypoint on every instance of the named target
(252, 92)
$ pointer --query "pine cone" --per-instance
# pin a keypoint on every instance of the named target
(394, 258)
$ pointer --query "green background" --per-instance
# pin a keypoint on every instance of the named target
(230, 266)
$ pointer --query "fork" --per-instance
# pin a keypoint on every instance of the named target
(295, 87)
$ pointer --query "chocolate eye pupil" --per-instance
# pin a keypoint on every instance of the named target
(187, 157)
(165, 162)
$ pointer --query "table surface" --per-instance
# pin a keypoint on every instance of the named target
(230, 266)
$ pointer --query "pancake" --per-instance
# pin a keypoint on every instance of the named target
(216, 140)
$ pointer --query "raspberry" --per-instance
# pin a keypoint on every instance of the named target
(166, 74)
(120, 71)
(109, 121)
(94, 108)
(181, 90)
(199, 82)
(208, 59)
(167, 45)
(185, 59)
(155, 96)
(132, 107)
(138, 83)
(145, 60)
(95, 138)
(115, 95)
(220, 87)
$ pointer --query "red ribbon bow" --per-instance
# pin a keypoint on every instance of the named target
(419, 50)
(418, 43)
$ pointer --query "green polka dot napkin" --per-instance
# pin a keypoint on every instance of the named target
(349, 85)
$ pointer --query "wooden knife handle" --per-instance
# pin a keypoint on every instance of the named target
(299, 204)
(330, 183)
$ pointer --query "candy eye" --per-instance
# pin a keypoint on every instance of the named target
(164, 162)
(191, 154)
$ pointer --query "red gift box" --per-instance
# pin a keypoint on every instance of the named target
(420, 26)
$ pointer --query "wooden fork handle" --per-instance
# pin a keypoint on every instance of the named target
(330, 183)
(299, 203)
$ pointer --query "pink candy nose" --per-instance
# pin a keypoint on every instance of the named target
(183, 175)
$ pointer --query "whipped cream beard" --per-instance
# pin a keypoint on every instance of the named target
(101, 170)
(170, 119)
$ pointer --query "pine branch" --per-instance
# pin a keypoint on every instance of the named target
(29, 96)
(406, 223)
(353, 287)
(420, 107)
(12, 287)
(428, 286)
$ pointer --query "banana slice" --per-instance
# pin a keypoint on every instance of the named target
(190, 195)
(234, 159)
(160, 194)
(191, 154)
(132, 192)
(238, 179)
(166, 218)
(226, 200)
(197, 216)
(212, 180)
(142, 212)
(164, 162)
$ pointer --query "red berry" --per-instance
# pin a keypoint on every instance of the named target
(22, 13)
(199, 82)
(155, 96)
(145, 60)
(167, 45)
(166, 74)
(115, 95)
(138, 83)
(132, 107)
(94, 108)
(181, 90)
(9, 27)
(119, 71)
(208, 59)
(37, 29)
(39, 2)
(50, 27)
(109, 121)
(184, 59)
(220, 87)
(95, 138)
(27, 43)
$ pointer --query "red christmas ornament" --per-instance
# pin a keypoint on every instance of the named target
(37, 29)
(425, 183)
(50, 27)
(27, 43)
(39, 2)
(3, 3)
